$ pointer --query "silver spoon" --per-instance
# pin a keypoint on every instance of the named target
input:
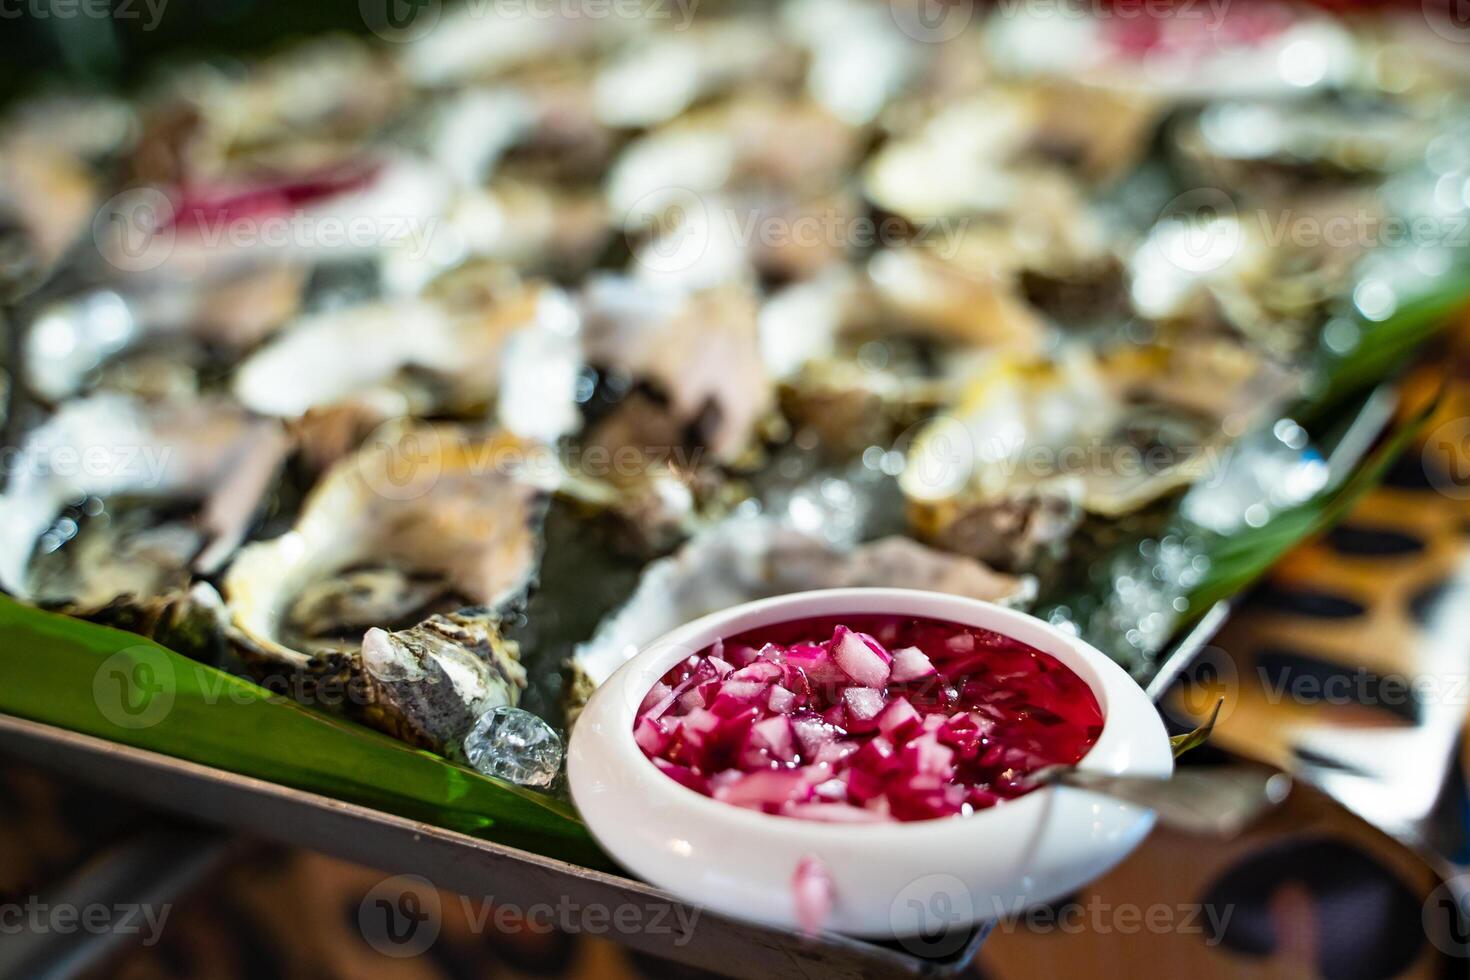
(1213, 801)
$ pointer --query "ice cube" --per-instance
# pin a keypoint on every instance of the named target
(515, 746)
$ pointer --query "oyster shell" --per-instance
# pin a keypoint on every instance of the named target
(428, 684)
(752, 558)
(470, 341)
(1209, 267)
(192, 475)
(749, 142)
(421, 540)
(529, 223)
(1010, 470)
(949, 302)
(89, 339)
(847, 372)
(688, 365)
(861, 356)
(1008, 151)
(1259, 148)
(47, 197)
(470, 43)
(340, 205)
(658, 76)
(294, 111)
(113, 506)
(858, 63)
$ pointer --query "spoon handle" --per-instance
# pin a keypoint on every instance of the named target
(1213, 802)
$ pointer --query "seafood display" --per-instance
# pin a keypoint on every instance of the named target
(443, 374)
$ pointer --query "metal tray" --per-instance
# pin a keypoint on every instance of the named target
(482, 869)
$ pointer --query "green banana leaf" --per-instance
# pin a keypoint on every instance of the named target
(1426, 303)
(119, 686)
(1238, 559)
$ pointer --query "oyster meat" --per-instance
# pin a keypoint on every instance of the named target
(688, 364)
(1008, 472)
(207, 463)
(470, 341)
(422, 540)
(114, 506)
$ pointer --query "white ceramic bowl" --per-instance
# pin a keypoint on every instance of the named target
(890, 879)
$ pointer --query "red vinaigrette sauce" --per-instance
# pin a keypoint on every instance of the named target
(863, 718)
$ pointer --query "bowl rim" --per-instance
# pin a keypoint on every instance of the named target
(1118, 695)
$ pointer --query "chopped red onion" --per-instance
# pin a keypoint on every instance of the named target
(910, 664)
(861, 657)
(819, 721)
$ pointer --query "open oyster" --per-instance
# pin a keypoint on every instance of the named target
(473, 339)
(861, 355)
(1268, 274)
(395, 577)
(754, 558)
(1008, 151)
(1265, 149)
(115, 504)
(684, 369)
(153, 341)
(208, 463)
(1007, 474)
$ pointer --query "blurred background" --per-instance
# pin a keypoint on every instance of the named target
(43, 47)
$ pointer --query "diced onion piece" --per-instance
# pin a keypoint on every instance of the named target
(863, 704)
(833, 813)
(774, 734)
(650, 736)
(766, 788)
(899, 718)
(815, 661)
(813, 894)
(861, 657)
(910, 664)
(781, 701)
